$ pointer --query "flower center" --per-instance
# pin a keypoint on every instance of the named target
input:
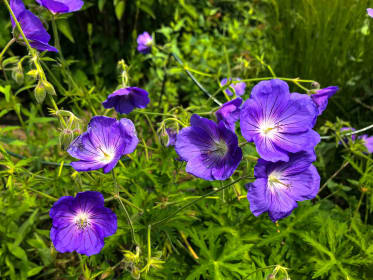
(106, 156)
(82, 220)
(149, 42)
(221, 148)
(275, 183)
(267, 129)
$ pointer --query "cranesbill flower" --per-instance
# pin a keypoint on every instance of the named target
(103, 144)
(124, 100)
(370, 12)
(144, 43)
(279, 185)
(321, 97)
(229, 113)
(368, 142)
(278, 122)
(61, 6)
(239, 88)
(81, 223)
(31, 25)
(210, 149)
(346, 130)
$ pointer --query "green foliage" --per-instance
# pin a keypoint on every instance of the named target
(216, 237)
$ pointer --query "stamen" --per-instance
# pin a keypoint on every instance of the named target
(82, 221)
(274, 183)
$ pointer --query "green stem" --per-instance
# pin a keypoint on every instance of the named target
(195, 80)
(56, 37)
(270, 78)
(4, 51)
(19, 27)
(199, 199)
(42, 161)
(350, 133)
(153, 113)
(116, 187)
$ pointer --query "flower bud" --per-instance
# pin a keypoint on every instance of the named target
(49, 88)
(18, 76)
(315, 85)
(40, 93)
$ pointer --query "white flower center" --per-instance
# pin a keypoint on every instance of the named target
(82, 220)
(267, 129)
(149, 42)
(106, 156)
(274, 182)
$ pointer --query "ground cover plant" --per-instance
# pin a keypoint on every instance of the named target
(185, 140)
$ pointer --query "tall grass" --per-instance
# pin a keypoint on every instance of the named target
(330, 41)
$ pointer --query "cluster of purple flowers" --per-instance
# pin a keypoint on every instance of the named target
(80, 224)
(280, 124)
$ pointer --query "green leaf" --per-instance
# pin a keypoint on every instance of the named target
(34, 271)
(18, 252)
(119, 9)
(101, 4)
(64, 27)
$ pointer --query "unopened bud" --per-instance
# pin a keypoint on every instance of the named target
(40, 93)
(49, 88)
(271, 277)
(18, 76)
(315, 85)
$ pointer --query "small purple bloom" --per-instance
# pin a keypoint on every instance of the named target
(144, 43)
(31, 26)
(239, 88)
(370, 12)
(279, 185)
(368, 142)
(172, 134)
(103, 144)
(229, 113)
(346, 130)
(61, 6)
(321, 97)
(210, 149)
(124, 100)
(278, 122)
(81, 223)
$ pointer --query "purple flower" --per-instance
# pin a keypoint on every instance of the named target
(239, 88)
(124, 100)
(370, 12)
(368, 142)
(172, 134)
(144, 43)
(278, 122)
(61, 6)
(103, 144)
(346, 130)
(31, 26)
(279, 185)
(321, 97)
(229, 113)
(211, 150)
(81, 223)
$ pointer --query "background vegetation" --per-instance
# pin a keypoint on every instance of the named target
(217, 238)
